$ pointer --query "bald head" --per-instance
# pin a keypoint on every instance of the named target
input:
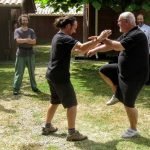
(129, 17)
(126, 22)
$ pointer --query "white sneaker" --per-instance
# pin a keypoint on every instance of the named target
(130, 133)
(112, 101)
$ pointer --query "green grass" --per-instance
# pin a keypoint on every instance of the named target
(23, 116)
(42, 53)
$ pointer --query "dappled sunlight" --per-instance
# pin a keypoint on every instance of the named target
(42, 53)
(144, 97)
(23, 116)
(6, 79)
(86, 76)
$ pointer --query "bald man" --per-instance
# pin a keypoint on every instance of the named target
(127, 77)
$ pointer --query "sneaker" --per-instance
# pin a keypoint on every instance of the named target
(76, 136)
(48, 130)
(130, 133)
(112, 101)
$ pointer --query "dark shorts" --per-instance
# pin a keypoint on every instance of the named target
(127, 91)
(62, 94)
(111, 71)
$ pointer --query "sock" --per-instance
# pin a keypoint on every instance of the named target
(47, 125)
(71, 131)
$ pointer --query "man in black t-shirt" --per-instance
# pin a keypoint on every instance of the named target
(58, 75)
(127, 77)
(25, 38)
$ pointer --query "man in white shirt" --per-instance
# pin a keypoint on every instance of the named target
(146, 29)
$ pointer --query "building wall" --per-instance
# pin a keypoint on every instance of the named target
(107, 19)
(10, 12)
(4, 32)
(15, 13)
(45, 30)
(7, 44)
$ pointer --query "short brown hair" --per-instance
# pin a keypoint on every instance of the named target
(20, 18)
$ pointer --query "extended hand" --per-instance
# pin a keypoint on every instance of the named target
(91, 53)
(104, 34)
(92, 37)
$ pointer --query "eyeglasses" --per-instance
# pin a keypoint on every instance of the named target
(121, 20)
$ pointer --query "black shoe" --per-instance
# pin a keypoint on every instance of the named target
(50, 130)
(15, 92)
(36, 90)
(76, 136)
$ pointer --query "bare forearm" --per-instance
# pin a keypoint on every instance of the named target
(108, 42)
(21, 41)
(85, 47)
(26, 41)
(88, 45)
(102, 48)
(31, 41)
(114, 45)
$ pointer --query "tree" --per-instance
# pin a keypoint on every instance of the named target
(117, 5)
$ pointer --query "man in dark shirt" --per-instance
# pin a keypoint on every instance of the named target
(25, 39)
(58, 75)
(127, 77)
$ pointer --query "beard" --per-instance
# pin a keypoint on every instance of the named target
(24, 24)
(120, 30)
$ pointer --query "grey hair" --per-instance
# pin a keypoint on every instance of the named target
(129, 17)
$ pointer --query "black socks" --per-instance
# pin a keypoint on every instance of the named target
(71, 131)
(48, 125)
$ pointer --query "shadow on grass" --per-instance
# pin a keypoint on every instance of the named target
(110, 145)
(87, 75)
(144, 97)
(6, 82)
(6, 78)
(58, 135)
(2, 108)
(42, 53)
(83, 73)
(40, 96)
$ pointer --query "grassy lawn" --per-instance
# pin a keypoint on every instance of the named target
(22, 116)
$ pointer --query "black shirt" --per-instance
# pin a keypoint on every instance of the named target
(59, 64)
(133, 61)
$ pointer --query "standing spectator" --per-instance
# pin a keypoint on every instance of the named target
(127, 77)
(146, 29)
(25, 38)
(58, 75)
